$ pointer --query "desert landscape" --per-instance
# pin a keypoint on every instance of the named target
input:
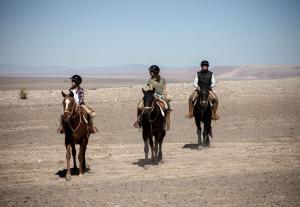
(254, 159)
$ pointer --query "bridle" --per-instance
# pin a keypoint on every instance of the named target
(72, 116)
(69, 112)
(151, 109)
(199, 101)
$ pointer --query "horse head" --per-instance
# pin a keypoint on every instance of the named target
(69, 106)
(203, 94)
(149, 101)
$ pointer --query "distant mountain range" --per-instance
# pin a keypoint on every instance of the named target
(137, 71)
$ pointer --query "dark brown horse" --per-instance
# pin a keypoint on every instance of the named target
(203, 113)
(76, 132)
(152, 125)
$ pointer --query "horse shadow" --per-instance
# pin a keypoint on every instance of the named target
(195, 146)
(191, 146)
(143, 162)
(74, 171)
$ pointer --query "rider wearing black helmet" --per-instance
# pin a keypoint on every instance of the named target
(159, 84)
(204, 78)
(78, 93)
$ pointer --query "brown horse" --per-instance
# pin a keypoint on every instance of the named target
(77, 131)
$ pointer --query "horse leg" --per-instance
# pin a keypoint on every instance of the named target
(156, 148)
(207, 128)
(146, 149)
(199, 135)
(146, 144)
(160, 148)
(68, 157)
(152, 148)
(206, 134)
(83, 162)
(80, 157)
(74, 155)
(198, 125)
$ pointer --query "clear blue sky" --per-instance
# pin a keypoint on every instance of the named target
(169, 33)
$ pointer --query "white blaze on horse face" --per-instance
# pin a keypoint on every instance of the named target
(67, 101)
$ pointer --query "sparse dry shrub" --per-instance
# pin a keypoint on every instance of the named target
(23, 94)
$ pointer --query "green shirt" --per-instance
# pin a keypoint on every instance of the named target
(158, 85)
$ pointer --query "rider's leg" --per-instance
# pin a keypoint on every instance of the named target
(168, 120)
(192, 98)
(215, 101)
(137, 123)
(168, 114)
(91, 114)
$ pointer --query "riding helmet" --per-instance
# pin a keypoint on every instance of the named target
(204, 62)
(77, 79)
(154, 68)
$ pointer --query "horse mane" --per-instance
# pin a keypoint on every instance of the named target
(71, 94)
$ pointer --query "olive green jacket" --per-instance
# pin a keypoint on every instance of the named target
(153, 83)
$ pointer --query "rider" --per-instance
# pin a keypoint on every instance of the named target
(159, 84)
(78, 93)
(204, 78)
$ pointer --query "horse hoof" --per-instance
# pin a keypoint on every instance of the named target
(155, 161)
(80, 174)
(68, 177)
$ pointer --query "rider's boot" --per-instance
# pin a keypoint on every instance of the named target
(215, 116)
(168, 120)
(93, 129)
(190, 114)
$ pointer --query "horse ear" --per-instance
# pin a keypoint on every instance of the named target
(153, 90)
(63, 94)
(143, 90)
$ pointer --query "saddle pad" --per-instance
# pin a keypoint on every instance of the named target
(161, 104)
(161, 108)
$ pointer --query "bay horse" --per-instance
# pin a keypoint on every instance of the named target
(153, 124)
(76, 130)
(203, 113)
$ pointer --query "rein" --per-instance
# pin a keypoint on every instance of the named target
(80, 121)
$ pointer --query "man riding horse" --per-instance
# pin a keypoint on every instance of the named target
(204, 79)
(158, 84)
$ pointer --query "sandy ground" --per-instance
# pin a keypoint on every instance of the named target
(254, 159)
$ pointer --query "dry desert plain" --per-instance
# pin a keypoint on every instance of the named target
(254, 159)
